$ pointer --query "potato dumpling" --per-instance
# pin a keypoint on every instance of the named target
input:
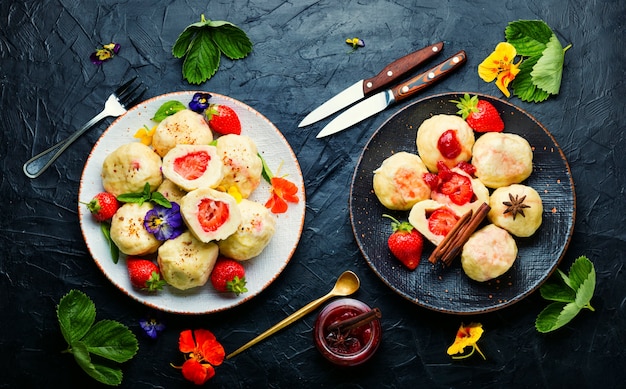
(193, 166)
(516, 208)
(502, 159)
(254, 233)
(242, 165)
(129, 167)
(210, 214)
(184, 127)
(489, 253)
(446, 138)
(185, 262)
(399, 181)
(128, 232)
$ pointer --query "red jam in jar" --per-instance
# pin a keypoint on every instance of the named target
(346, 347)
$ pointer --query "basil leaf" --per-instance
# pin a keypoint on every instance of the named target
(203, 58)
(132, 198)
(555, 316)
(105, 374)
(529, 37)
(76, 314)
(111, 340)
(167, 109)
(548, 70)
(232, 41)
(113, 249)
(158, 198)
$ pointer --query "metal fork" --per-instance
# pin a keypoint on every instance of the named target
(124, 97)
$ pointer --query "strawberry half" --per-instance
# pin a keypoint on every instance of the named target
(441, 221)
(405, 243)
(458, 188)
(228, 275)
(223, 119)
(144, 274)
(479, 114)
(103, 206)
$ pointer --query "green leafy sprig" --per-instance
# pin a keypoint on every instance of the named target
(569, 296)
(202, 44)
(144, 196)
(97, 346)
(543, 55)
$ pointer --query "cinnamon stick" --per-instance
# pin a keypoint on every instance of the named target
(464, 234)
(356, 321)
(445, 243)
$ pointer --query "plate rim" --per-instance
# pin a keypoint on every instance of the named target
(499, 305)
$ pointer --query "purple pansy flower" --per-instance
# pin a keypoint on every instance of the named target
(164, 223)
(199, 102)
(151, 327)
(104, 53)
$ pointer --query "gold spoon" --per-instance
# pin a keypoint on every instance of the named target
(346, 284)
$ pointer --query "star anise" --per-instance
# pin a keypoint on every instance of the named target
(515, 206)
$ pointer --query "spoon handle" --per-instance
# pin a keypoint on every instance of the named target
(284, 323)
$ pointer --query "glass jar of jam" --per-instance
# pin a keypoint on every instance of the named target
(347, 332)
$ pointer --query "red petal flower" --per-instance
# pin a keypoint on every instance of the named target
(283, 190)
(204, 352)
(197, 372)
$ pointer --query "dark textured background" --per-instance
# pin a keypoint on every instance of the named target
(49, 88)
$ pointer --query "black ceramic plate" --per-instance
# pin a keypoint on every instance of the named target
(449, 289)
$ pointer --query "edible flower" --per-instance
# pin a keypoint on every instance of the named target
(466, 337)
(151, 327)
(499, 64)
(164, 223)
(199, 102)
(202, 352)
(282, 191)
(355, 43)
(104, 53)
(145, 135)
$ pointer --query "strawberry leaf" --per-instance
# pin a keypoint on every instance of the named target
(555, 316)
(105, 374)
(202, 59)
(76, 314)
(233, 42)
(557, 292)
(111, 340)
(523, 86)
(548, 70)
(529, 37)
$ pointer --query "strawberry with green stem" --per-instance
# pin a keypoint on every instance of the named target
(228, 275)
(479, 114)
(144, 274)
(405, 243)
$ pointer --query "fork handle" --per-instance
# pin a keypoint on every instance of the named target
(40, 162)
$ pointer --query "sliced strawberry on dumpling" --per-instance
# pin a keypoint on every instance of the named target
(193, 166)
(433, 219)
(210, 214)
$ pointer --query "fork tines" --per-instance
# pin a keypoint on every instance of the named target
(128, 94)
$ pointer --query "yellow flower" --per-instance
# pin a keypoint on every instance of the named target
(467, 337)
(145, 134)
(234, 191)
(499, 64)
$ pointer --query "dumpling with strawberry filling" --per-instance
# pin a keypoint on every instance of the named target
(193, 166)
(488, 253)
(446, 138)
(129, 167)
(184, 127)
(433, 220)
(211, 215)
(242, 165)
(399, 181)
(458, 190)
(185, 262)
(255, 231)
(128, 231)
(502, 159)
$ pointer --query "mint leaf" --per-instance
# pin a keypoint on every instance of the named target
(76, 314)
(529, 37)
(548, 70)
(202, 44)
(105, 374)
(111, 340)
(555, 316)
(158, 198)
(145, 195)
(167, 109)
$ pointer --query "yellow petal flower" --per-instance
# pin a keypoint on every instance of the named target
(145, 135)
(234, 191)
(466, 337)
(499, 64)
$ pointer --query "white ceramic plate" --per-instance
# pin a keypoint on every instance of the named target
(260, 271)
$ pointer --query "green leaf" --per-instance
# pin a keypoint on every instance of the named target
(183, 42)
(523, 86)
(139, 198)
(529, 37)
(546, 74)
(167, 109)
(105, 374)
(555, 316)
(203, 58)
(232, 41)
(266, 172)
(76, 314)
(111, 340)
(113, 249)
(558, 292)
(580, 271)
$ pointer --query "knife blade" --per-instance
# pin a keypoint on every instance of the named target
(380, 101)
(367, 87)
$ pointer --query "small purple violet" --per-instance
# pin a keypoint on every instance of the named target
(164, 223)
(199, 102)
(104, 53)
(151, 327)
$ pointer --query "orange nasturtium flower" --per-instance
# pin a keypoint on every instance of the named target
(499, 64)
(144, 134)
(202, 353)
(466, 337)
(282, 191)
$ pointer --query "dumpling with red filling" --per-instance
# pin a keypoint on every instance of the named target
(193, 166)
(446, 138)
(210, 214)
(399, 181)
(254, 233)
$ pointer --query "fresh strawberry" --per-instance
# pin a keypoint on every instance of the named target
(479, 114)
(441, 221)
(144, 274)
(405, 243)
(228, 275)
(223, 119)
(103, 206)
(458, 188)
